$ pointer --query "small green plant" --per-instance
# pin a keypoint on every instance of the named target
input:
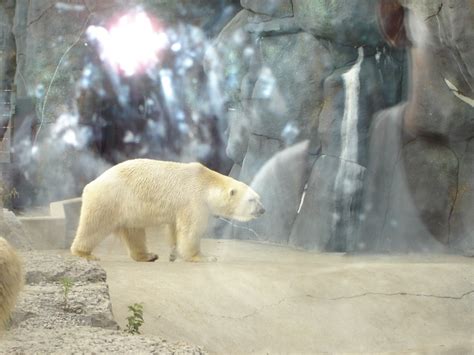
(135, 321)
(67, 284)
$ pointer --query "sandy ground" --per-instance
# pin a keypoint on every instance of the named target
(260, 298)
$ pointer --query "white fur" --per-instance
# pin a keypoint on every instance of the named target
(141, 193)
(11, 280)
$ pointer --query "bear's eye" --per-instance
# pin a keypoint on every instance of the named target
(233, 192)
(252, 200)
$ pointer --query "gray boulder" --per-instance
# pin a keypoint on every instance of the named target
(46, 320)
(408, 190)
(329, 212)
(46, 267)
(461, 221)
(44, 304)
(274, 8)
(346, 22)
(260, 150)
(12, 230)
(417, 190)
(294, 63)
(280, 183)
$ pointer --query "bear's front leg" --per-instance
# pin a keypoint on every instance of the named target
(173, 253)
(196, 258)
(135, 239)
(188, 246)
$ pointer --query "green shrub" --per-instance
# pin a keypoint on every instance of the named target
(67, 284)
(135, 321)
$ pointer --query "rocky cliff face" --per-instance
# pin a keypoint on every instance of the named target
(391, 181)
(419, 193)
(306, 70)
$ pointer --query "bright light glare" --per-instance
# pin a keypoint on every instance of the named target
(131, 45)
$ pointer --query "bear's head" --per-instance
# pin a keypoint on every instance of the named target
(236, 200)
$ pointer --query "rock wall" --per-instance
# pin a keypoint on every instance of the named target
(306, 70)
(392, 180)
(419, 190)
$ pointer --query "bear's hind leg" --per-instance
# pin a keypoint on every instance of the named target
(86, 240)
(135, 239)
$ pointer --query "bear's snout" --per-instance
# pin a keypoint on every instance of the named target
(259, 210)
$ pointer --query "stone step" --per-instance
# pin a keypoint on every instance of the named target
(56, 230)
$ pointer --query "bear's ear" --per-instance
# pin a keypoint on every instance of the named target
(232, 192)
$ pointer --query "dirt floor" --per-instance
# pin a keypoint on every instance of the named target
(260, 298)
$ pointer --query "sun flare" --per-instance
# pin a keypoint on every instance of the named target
(131, 45)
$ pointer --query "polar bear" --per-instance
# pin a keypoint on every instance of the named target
(141, 193)
(11, 281)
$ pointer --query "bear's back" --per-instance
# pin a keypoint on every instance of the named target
(156, 180)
